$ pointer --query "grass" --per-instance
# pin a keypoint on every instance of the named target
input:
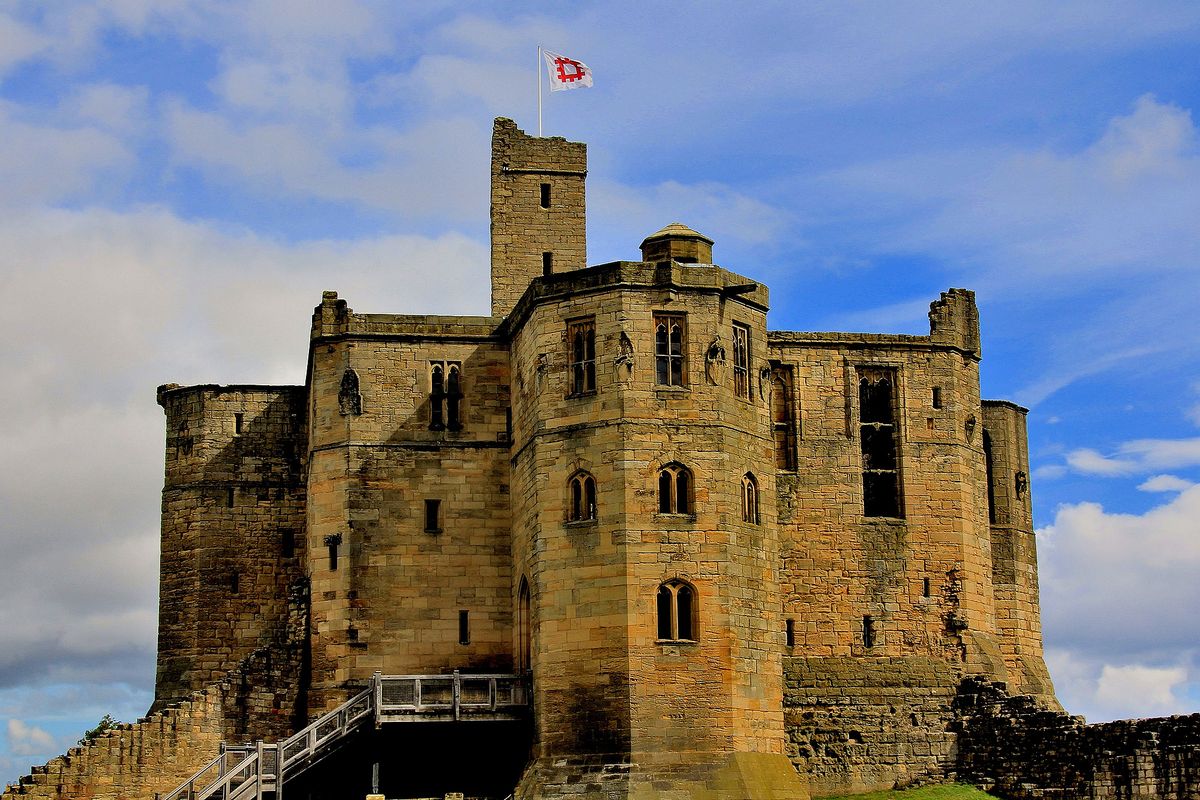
(952, 791)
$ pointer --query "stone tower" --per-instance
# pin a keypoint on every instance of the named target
(538, 219)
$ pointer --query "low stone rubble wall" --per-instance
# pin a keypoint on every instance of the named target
(1016, 750)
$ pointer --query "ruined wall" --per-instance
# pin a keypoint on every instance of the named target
(919, 578)
(1013, 747)
(523, 229)
(260, 699)
(389, 594)
(232, 527)
(868, 724)
(1014, 550)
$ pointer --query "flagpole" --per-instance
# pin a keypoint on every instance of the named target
(538, 74)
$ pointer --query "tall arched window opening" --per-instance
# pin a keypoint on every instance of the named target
(674, 490)
(445, 396)
(783, 427)
(676, 611)
(749, 499)
(581, 338)
(991, 487)
(669, 341)
(524, 629)
(879, 443)
(583, 497)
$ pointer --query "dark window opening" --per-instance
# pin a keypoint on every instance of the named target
(545, 198)
(749, 499)
(524, 628)
(991, 489)
(937, 397)
(669, 342)
(791, 633)
(547, 263)
(508, 423)
(674, 490)
(877, 434)
(237, 422)
(464, 627)
(741, 362)
(333, 541)
(583, 497)
(783, 427)
(445, 396)
(676, 604)
(288, 544)
(349, 397)
(432, 516)
(868, 631)
(925, 587)
(229, 497)
(233, 583)
(581, 356)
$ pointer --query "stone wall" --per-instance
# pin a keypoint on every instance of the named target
(865, 724)
(1015, 748)
(259, 700)
(232, 527)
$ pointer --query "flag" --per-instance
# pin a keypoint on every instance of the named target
(566, 73)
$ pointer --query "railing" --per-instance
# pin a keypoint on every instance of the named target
(249, 771)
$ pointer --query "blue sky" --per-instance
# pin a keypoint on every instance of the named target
(180, 180)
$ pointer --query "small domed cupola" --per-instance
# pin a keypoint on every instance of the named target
(677, 242)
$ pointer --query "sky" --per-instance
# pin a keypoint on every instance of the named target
(180, 180)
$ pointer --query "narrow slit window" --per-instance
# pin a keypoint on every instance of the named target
(925, 589)
(233, 583)
(670, 365)
(868, 631)
(288, 544)
(453, 397)
(464, 627)
(333, 542)
(237, 422)
(581, 355)
(433, 510)
(545, 196)
(741, 361)
(547, 263)
(937, 397)
(790, 633)
(990, 477)
(676, 607)
(878, 440)
(749, 499)
(230, 497)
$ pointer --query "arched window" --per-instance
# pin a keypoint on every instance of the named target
(437, 379)
(674, 490)
(676, 611)
(749, 499)
(991, 486)
(782, 425)
(445, 396)
(583, 497)
(524, 629)
(453, 397)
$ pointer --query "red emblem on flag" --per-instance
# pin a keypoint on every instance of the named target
(566, 73)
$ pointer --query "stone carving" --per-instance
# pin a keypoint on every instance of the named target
(624, 354)
(714, 361)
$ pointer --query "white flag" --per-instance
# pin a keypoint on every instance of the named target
(566, 73)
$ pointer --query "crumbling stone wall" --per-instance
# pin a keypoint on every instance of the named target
(1017, 749)
(864, 724)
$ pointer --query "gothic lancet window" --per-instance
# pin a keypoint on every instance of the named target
(741, 361)
(783, 427)
(582, 488)
(749, 499)
(676, 603)
(445, 396)
(674, 490)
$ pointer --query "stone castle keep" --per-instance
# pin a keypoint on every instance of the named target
(667, 550)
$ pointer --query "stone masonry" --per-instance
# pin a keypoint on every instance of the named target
(733, 562)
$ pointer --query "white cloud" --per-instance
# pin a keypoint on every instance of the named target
(1165, 483)
(1135, 690)
(25, 740)
(1090, 462)
(17, 42)
(1048, 472)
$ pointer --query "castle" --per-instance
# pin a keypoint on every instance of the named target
(713, 559)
